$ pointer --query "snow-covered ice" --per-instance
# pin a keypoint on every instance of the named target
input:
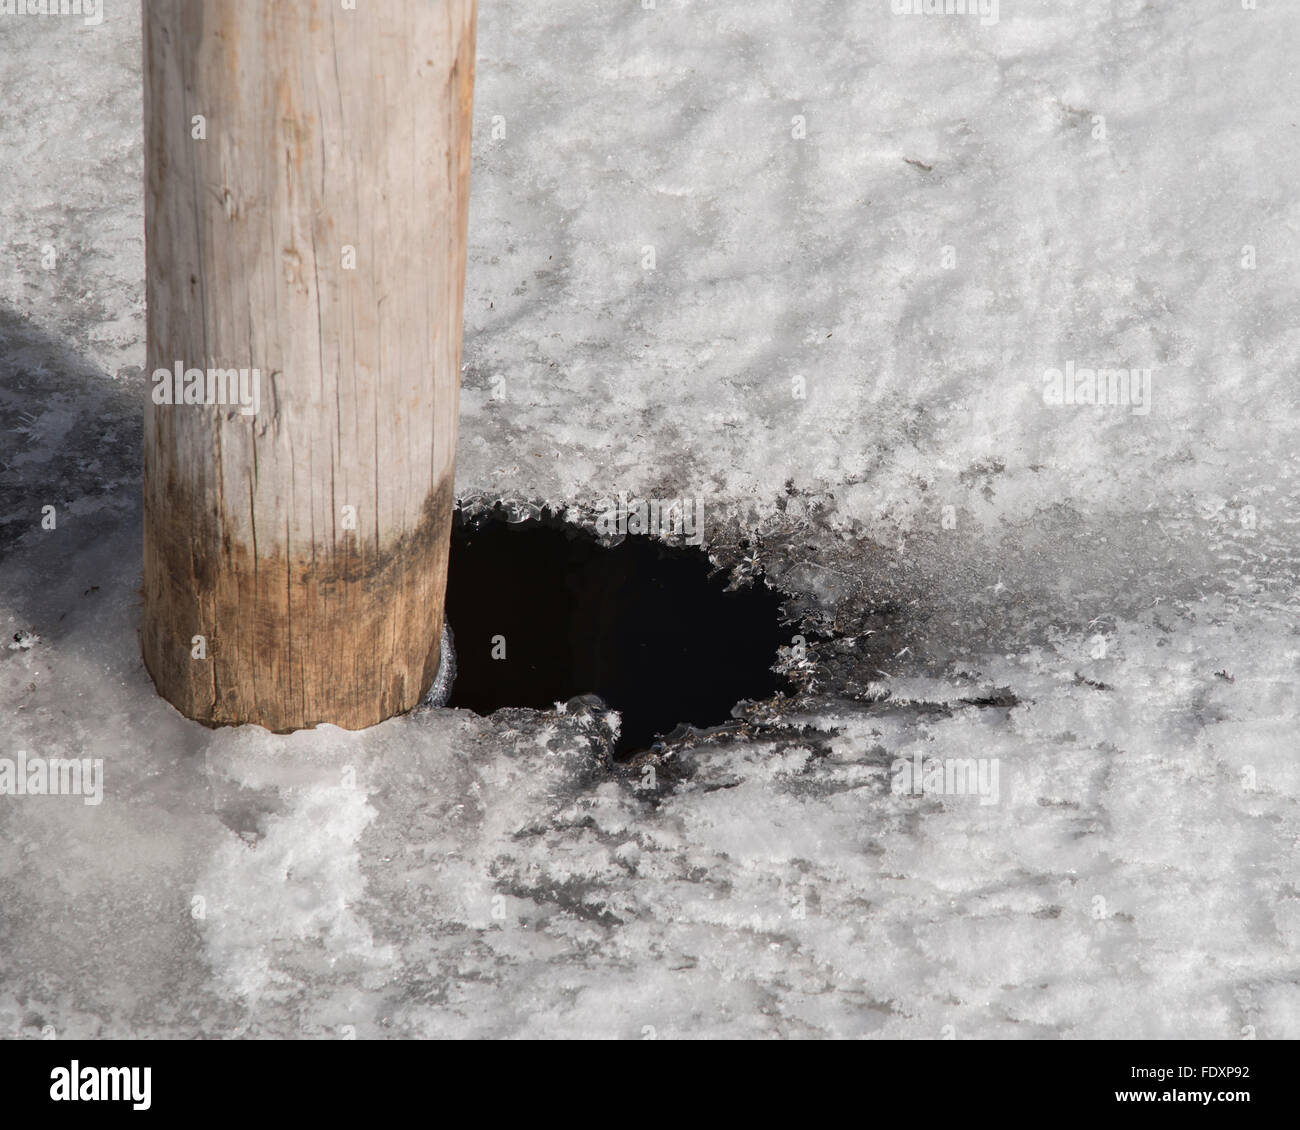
(682, 217)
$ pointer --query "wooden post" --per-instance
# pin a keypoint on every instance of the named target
(307, 190)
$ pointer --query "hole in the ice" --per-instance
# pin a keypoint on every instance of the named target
(542, 612)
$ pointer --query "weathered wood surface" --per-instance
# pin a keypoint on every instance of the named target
(326, 129)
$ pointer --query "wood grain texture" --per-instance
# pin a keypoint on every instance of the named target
(326, 128)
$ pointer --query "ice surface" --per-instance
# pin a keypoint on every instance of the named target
(1108, 609)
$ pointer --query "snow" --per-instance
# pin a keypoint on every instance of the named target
(1108, 607)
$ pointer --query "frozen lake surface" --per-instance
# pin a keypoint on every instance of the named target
(813, 265)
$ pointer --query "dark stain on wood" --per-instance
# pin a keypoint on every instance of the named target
(339, 633)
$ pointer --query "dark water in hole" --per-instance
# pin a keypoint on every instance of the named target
(641, 625)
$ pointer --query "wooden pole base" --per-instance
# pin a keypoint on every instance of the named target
(307, 189)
